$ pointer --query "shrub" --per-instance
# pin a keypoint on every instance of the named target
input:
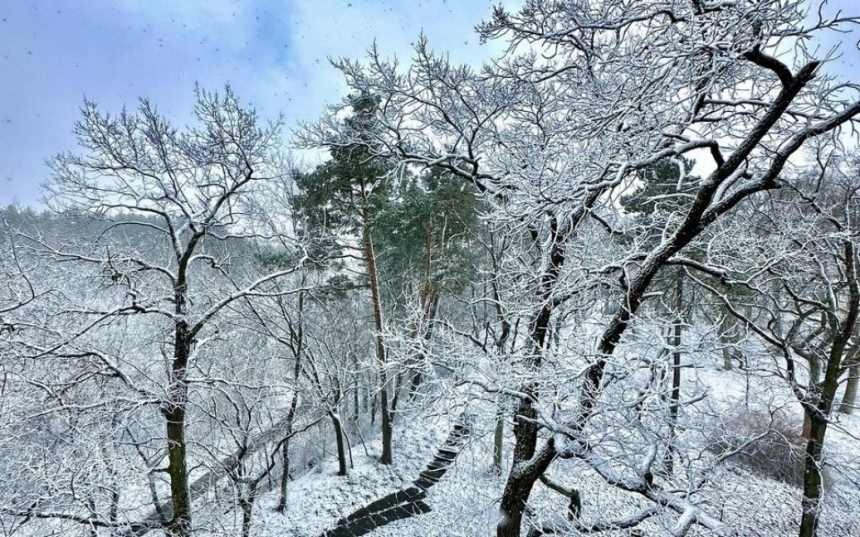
(778, 454)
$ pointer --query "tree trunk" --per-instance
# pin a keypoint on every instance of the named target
(349, 449)
(517, 491)
(814, 375)
(114, 503)
(387, 457)
(113, 511)
(819, 412)
(247, 506)
(727, 355)
(811, 502)
(370, 259)
(341, 450)
(285, 476)
(356, 409)
(180, 524)
(91, 505)
(674, 397)
(806, 431)
(498, 440)
(849, 399)
(415, 385)
(398, 385)
(291, 414)
(815, 426)
(728, 339)
(174, 412)
(525, 471)
(675, 394)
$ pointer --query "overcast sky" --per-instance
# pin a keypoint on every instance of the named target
(274, 53)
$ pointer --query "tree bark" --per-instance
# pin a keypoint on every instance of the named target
(849, 399)
(518, 489)
(727, 356)
(675, 394)
(385, 415)
(285, 477)
(298, 349)
(814, 376)
(285, 449)
(498, 440)
(174, 412)
(180, 523)
(247, 506)
(356, 408)
(341, 450)
(728, 341)
(818, 411)
(811, 502)
(524, 471)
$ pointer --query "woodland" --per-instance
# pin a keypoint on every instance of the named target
(605, 284)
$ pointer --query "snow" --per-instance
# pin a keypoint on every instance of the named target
(465, 502)
(318, 499)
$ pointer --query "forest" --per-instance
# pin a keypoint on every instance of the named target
(605, 284)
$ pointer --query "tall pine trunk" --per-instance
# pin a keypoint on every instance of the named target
(385, 415)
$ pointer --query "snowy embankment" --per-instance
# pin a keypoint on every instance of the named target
(465, 501)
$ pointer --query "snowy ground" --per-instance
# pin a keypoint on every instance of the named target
(464, 502)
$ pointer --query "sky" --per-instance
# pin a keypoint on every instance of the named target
(274, 53)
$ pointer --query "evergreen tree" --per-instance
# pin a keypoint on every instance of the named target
(341, 199)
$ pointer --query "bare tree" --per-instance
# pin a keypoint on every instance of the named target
(18, 289)
(587, 95)
(808, 296)
(170, 212)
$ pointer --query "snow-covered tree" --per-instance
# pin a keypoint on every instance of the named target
(136, 337)
(587, 95)
(804, 289)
